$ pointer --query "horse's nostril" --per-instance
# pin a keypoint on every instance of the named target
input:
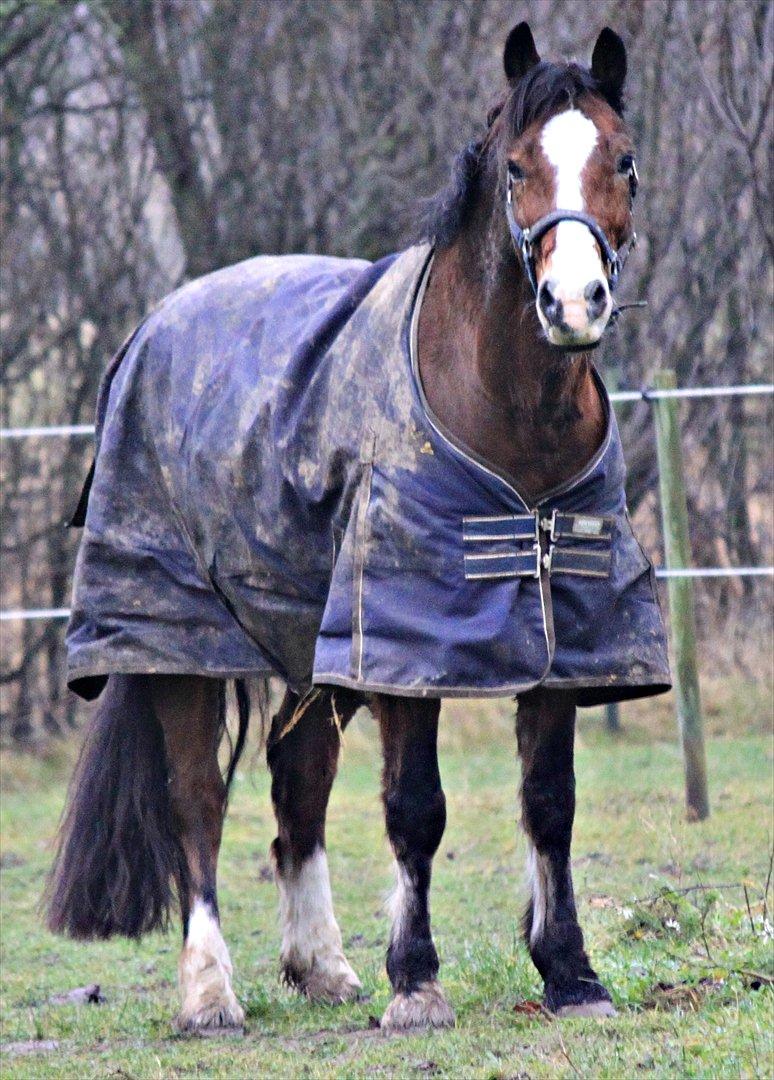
(549, 304)
(596, 295)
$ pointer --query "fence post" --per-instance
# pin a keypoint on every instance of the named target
(612, 716)
(612, 710)
(677, 546)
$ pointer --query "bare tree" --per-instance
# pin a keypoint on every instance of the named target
(146, 141)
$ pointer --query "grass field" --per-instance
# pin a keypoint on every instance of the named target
(686, 954)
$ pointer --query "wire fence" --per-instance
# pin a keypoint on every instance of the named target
(17, 615)
(618, 397)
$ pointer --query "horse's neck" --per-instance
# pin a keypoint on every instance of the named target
(496, 384)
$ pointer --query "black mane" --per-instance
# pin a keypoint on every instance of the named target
(541, 93)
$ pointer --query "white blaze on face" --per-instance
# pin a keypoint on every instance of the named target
(568, 141)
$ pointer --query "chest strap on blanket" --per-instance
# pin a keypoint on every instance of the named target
(577, 526)
(496, 546)
(491, 546)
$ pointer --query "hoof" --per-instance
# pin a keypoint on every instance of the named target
(426, 1007)
(332, 984)
(209, 1004)
(224, 1017)
(586, 1008)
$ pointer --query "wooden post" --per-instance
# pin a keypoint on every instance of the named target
(612, 716)
(677, 547)
(612, 710)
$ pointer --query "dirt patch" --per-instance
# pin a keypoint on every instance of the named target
(29, 1046)
(682, 995)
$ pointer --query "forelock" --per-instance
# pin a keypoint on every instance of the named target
(544, 91)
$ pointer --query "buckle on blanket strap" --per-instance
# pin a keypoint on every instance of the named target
(577, 526)
(490, 550)
(572, 558)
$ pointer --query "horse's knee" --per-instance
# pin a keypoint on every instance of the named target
(303, 767)
(301, 777)
(300, 787)
(415, 819)
(548, 808)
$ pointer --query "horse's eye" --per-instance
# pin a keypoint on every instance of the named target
(515, 171)
(627, 166)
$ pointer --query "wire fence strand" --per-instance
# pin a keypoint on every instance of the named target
(65, 430)
(19, 615)
(645, 394)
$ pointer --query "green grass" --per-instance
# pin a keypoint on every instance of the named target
(681, 965)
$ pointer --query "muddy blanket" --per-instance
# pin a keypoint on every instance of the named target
(273, 495)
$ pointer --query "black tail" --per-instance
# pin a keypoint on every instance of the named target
(117, 854)
(119, 860)
(243, 714)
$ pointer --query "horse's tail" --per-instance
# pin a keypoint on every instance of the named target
(118, 858)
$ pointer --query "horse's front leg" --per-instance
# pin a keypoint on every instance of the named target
(415, 809)
(190, 711)
(303, 752)
(545, 727)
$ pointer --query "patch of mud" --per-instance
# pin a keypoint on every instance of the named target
(29, 1046)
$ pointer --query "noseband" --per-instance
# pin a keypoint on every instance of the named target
(524, 240)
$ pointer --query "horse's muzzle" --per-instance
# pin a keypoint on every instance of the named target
(574, 320)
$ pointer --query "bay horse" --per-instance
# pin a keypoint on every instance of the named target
(528, 241)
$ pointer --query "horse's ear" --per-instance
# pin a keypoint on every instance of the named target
(520, 53)
(608, 66)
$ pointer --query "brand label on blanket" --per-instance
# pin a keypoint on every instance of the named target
(587, 526)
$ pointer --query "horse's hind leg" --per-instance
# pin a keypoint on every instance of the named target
(545, 726)
(302, 753)
(415, 810)
(190, 710)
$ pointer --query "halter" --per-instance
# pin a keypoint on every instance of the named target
(524, 240)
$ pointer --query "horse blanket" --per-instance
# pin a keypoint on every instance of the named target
(272, 494)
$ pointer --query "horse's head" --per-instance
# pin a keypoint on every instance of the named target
(567, 163)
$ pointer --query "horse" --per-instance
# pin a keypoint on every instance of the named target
(525, 248)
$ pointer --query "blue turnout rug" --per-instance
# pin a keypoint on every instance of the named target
(272, 495)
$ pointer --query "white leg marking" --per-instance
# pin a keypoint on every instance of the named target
(538, 882)
(400, 902)
(205, 976)
(588, 1008)
(425, 1007)
(312, 954)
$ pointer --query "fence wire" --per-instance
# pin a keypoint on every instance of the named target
(617, 396)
